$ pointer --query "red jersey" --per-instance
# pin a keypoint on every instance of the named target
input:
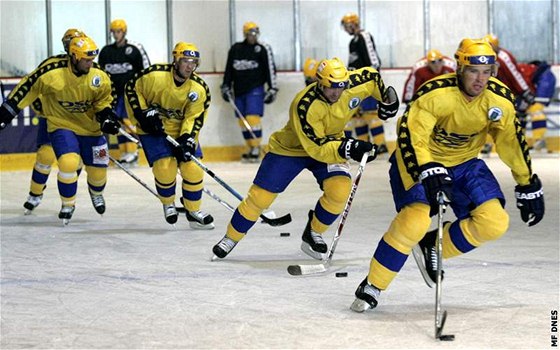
(509, 73)
(421, 73)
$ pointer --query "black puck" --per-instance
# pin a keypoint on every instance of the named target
(341, 274)
(447, 337)
(285, 234)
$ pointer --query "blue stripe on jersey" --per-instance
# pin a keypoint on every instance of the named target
(240, 223)
(389, 256)
(458, 238)
(192, 195)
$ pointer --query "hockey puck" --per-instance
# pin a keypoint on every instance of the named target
(285, 234)
(341, 274)
(447, 337)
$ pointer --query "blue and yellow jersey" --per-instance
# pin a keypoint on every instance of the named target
(68, 101)
(442, 126)
(316, 127)
(184, 107)
(36, 105)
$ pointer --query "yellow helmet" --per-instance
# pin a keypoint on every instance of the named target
(493, 40)
(310, 68)
(350, 17)
(332, 73)
(186, 50)
(118, 24)
(475, 52)
(250, 28)
(83, 48)
(69, 35)
(434, 55)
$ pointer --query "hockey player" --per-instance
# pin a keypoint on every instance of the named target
(310, 70)
(363, 53)
(428, 67)
(439, 138)
(45, 155)
(171, 99)
(509, 74)
(542, 82)
(250, 65)
(313, 139)
(122, 59)
(76, 101)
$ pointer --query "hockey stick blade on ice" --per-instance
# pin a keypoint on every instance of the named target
(283, 220)
(299, 270)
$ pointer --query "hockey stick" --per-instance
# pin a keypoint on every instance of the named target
(240, 116)
(283, 220)
(3, 92)
(440, 316)
(298, 270)
(131, 174)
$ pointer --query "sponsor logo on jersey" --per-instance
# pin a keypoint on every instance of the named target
(118, 68)
(355, 102)
(193, 96)
(452, 139)
(128, 50)
(258, 48)
(76, 107)
(245, 64)
(495, 114)
(96, 81)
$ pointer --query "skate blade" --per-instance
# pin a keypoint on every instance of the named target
(27, 212)
(419, 258)
(65, 222)
(306, 248)
(199, 226)
(360, 306)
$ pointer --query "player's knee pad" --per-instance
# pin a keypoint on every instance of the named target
(96, 178)
(489, 221)
(408, 227)
(45, 157)
(165, 170)
(335, 193)
(68, 164)
(258, 199)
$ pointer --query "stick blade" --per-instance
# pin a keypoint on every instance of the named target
(299, 270)
(281, 221)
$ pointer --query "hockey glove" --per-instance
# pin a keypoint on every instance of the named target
(528, 97)
(530, 201)
(435, 178)
(389, 107)
(7, 113)
(108, 121)
(270, 95)
(226, 92)
(355, 149)
(150, 121)
(186, 148)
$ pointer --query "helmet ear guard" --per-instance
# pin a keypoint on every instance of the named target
(332, 73)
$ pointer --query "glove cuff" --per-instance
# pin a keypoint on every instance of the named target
(431, 169)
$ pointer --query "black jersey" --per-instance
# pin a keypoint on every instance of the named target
(363, 52)
(122, 62)
(249, 66)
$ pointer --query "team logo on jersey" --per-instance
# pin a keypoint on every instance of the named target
(128, 50)
(193, 96)
(355, 102)
(96, 81)
(257, 48)
(495, 114)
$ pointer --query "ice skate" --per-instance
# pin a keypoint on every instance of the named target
(32, 203)
(426, 257)
(486, 150)
(200, 220)
(170, 213)
(252, 156)
(129, 159)
(382, 149)
(66, 213)
(312, 243)
(366, 297)
(224, 247)
(98, 202)
(540, 146)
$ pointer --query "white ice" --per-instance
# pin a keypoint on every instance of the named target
(130, 280)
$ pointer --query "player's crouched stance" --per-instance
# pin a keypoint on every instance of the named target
(171, 99)
(313, 139)
(439, 137)
(76, 101)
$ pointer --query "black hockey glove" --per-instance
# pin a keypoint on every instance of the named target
(150, 121)
(355, 149)
(108, 121)
(270, 95)
(389, 107)
(7, 113)
(186, 148)
(528, 97)
(226, 92)
(530, 201)
(436, 178)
